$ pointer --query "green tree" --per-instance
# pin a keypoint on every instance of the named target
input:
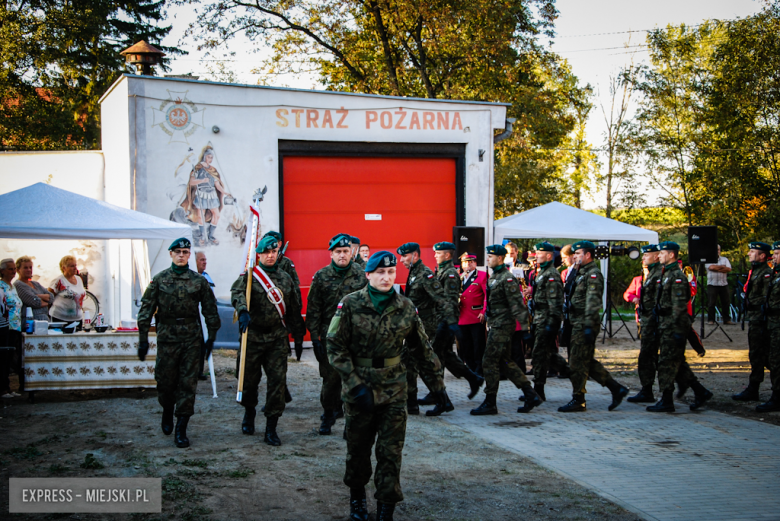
(58, 58)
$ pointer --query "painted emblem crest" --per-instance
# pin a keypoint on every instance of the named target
(178, 117)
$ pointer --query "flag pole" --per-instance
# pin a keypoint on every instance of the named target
(250, 264)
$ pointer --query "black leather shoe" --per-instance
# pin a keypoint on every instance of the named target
(487, 407)
(772, 405)
(181, 432)
(167, 421)
(248, 423)
(750, 394)
(271, 438)
(577, 404)
(439, 409)
(665, 404)
(475, 382)
(618, 393)
(327, 422)
(358, 506)
(645, 395)
(532, 399)
(202, 377)
(700, 399)
(384, 511)
(428, 400)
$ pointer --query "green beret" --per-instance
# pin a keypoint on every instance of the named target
(650, 248)
(776, 245)
(267, 243)
(381, 259)
(583, 245)
(408, 247)
(443, 246)
(496, 249)
(181, 242)
(340, 241)
(762, 246)
(544, 246)
(668, 246)
(275, 235)
(354, 240)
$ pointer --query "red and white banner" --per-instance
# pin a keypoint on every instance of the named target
(253, 234)
(275, 295)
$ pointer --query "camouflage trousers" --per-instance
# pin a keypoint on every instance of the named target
(758, 351)
(330, 393)
(271, 356)
(648, 359)
(672, 365)
(774, 355)
(429, 324)
(545, 355)
(176, 373)
(387, 425)
(498, 354)
(582, 362)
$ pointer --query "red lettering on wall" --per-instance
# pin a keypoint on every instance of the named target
(343, 117)
(281, 113)
(371, 116)
(400, 112)
(443, 118)
(456, 121)
(386, 122)
(428, 118)
(311, 118)
(415, 122)
(297, 113)
(327, 120)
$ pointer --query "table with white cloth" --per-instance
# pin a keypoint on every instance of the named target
(87, 361)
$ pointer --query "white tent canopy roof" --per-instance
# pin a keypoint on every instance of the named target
(42, 211)
(560, 221)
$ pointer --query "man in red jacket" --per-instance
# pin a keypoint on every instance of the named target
(473, 301)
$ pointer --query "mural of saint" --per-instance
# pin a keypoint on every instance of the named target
(205, 198)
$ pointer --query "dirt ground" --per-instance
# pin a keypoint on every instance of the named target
(447, 473)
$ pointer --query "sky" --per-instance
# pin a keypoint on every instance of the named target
(590, 34)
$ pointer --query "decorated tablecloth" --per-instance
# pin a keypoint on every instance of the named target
(87, 361)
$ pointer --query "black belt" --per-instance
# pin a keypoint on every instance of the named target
(665, 312)
(377, 363)
(165, 321)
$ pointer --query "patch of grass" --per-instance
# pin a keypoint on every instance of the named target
(101, 434)
(176, 489)
(91, 462)
(195, 463)
(279, 457)
(29, 452)
(170, 462)
(196, 513)
(49, 439)
(58, 469)
(239, 473)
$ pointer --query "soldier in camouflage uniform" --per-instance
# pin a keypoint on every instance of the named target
(585, 316)
(424, 290)
(674, 323)
(373, 330)
(758, 341)
(772, 310)
(328, 286)
(172, 298)
(505, 308)
(267, 344)
(358, 259)
(547, 303)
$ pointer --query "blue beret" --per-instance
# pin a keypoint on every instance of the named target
(408, 247)
(544, 246)
(583, 245)
(275, 235)
(776, 245)
(267, 243)
(650, 248)
(443, 246)
(381, 259)
(496, 249)
(340, 241)
(668, 246)
(355, 240)
(181, 242)
(762, 246)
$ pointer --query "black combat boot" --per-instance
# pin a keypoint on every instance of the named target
(329, 418)
(428, 400)
(287, 395)
(384, 511)
(439, 409)
(475, 382)
(618, 393)
(248, 423)
(665, 404)
(701, 396)
(750, 394)
(358, 507)
(577, 404)
(181, 432)
(487, 407)
(539, 389)
(271, 438)
(645, 395)
(532, 399)
(772, 405)
(411, 404)
(167, 421)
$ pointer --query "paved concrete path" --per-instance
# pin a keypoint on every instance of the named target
(683, 466)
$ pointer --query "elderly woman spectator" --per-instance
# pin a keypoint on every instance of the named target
(68, 291)
(13, 306)
(32, 293)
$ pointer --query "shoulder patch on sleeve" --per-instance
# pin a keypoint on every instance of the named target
(594, 276)
(340, 305)
(430, 276)
(509, 280)
(453, 276)
(551, 279)
(291, 264)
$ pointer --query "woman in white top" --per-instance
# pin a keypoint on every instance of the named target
(69, 292)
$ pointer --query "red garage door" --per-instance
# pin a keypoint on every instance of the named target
(384, 201)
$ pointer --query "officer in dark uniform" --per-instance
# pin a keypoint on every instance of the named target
(373, 330)
(172, 298)
(328, 286)
(267, 338)
(772, 310)
(758, 341)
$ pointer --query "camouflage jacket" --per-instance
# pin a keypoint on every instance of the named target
(586, 297)
(505, 300)
(675, 294)
(358, 330)
(171, 296)
(773, 300)
(548, 297)
(425, 291)
(359, 260)
(648, 292)
(757, 286)
(328, 287)
(286, 265)
(451, 285)
(266, 324)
